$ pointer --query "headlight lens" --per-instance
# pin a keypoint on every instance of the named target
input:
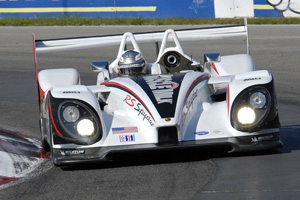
(70, 113)
(250, 108)
(258, 100)
(85, 127)
(246, 115)
(80, 122)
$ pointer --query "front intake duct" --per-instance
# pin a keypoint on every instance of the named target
(167, 135)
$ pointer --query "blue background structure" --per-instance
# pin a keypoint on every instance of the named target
(162, 8)
(265, 13)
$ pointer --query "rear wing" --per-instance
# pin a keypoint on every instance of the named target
(213, 33)
(222, 32)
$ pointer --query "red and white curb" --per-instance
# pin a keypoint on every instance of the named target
(19, 156)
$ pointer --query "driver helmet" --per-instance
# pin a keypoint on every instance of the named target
(131, 63)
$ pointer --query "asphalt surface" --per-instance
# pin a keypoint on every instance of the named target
(188, 174)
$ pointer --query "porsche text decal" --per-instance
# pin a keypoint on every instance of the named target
(252, 79)
(71, 92)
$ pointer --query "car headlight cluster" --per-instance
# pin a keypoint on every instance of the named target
(250, 108)
(79, 122)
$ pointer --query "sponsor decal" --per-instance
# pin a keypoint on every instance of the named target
(252, 79)
(119, 130)
(127, 138)
(191, 96)
(217, 132)
(163, 94)
(188, 106)
(144, 114)
(72, 152)
(129, 100)
(162, 88)
(189, 103)
(71, 92)
(261, 138)
(201, 133)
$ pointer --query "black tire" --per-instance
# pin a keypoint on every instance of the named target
(51, 148)
(45, 145)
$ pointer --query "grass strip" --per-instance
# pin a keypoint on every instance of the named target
(81, 21)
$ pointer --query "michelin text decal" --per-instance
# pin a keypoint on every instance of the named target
(256, 139)
(72, 152)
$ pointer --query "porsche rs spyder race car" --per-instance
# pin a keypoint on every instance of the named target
(173, 102)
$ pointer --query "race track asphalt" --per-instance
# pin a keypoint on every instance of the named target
(187, 174)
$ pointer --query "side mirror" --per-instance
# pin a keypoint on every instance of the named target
(99, 66)
(212, 57)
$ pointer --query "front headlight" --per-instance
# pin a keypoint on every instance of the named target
(70, 113)
(79, 122)
(250, 108)
(258, 100)
(85, 127)
(246, 115)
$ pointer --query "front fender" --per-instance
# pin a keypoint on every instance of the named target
(87, 107)
(239, 92)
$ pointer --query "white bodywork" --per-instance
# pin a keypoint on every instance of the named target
(196, 116)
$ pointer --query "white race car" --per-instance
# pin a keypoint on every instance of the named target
(173, 102)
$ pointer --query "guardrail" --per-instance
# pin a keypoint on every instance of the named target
(150, 8)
